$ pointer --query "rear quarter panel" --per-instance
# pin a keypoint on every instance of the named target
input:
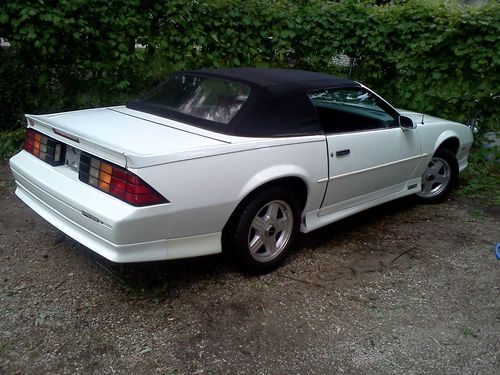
(204, 191)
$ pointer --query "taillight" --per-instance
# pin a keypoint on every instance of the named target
(117, 182)
(44, 148)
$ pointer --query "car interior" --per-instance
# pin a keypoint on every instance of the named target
(341, 118)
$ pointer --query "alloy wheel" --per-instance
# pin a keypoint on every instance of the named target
(270, 231)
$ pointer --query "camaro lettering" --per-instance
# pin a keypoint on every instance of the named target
(92, 217)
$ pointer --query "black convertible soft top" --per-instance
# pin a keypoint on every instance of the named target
(278, 104)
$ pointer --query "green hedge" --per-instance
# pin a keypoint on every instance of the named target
(424, 55)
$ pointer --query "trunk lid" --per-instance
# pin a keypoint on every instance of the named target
(121, 137)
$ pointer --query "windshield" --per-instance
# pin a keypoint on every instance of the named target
(202, 97)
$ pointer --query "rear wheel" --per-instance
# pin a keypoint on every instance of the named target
(440, 177)
(265, 230)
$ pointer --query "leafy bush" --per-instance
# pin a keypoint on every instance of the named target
(438, 58)
(432, 56)
(66, 54)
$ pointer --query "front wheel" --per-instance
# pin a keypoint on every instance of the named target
(440, 177)
(265, 230)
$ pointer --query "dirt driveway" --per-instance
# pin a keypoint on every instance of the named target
(403, 288)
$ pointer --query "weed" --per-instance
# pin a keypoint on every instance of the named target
(377, 312)
(7, 186)
(482, 177)
(468, 332)
(145, 350)
(10, 142)
(6, 293)
(366, 299)
(478, 214)
(41, 318)
(397, 307)
(4, 347)
(220, 280)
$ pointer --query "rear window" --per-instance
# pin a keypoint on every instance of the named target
(202, 97)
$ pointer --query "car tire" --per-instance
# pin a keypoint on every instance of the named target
(440, 177)
(262, 232)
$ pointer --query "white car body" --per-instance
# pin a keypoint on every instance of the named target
(205, 175)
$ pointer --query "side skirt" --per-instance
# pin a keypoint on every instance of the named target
(314, 220)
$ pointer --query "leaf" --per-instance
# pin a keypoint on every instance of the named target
(145, 350)
(214, 37)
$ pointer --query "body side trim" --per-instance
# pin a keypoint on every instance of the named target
(372, 168)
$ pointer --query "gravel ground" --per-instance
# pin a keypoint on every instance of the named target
(399, 289)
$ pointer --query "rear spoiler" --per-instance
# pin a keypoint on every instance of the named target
(103, 151)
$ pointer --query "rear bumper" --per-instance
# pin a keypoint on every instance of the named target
(111, 228)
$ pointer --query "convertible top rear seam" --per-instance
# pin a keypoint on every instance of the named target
(168, 126)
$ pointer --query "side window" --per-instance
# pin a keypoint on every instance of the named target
(349, 110)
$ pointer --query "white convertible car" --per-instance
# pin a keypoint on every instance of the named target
(233, 159)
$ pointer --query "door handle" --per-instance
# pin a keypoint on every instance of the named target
(343, 152)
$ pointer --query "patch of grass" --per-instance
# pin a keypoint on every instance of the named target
(156, 291)
(10, 142)
(481, 179)
(153, 289)
(479, 214)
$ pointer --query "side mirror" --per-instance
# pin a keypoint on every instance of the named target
(406, 123)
